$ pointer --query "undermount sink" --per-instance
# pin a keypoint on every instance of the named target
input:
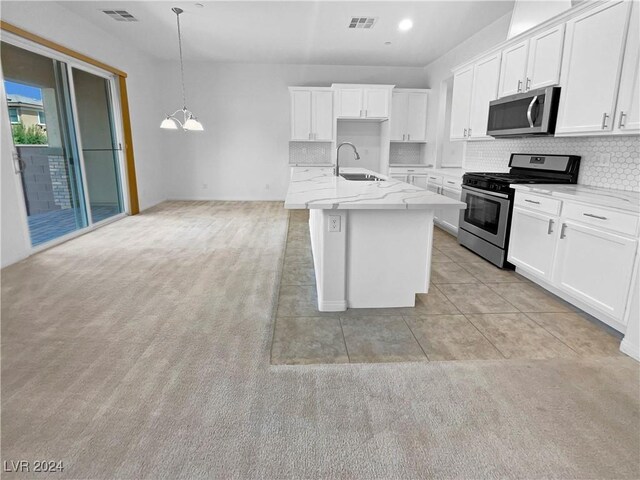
(361, 177)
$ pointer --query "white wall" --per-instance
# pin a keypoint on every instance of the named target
(56, 23)
(440, 70)
(243, 152)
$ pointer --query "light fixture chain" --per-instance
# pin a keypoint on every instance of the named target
(184, 100)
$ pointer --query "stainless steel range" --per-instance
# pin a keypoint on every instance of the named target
(485, 223)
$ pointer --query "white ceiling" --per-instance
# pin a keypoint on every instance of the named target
(301, 32)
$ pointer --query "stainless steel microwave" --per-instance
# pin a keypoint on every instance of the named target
(532, 113)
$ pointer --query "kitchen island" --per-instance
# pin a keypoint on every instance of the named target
(371, 240)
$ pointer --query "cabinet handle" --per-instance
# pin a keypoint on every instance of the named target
(403, 135)
(361, 113)
(465, 133)
(604, 120)
(452, 183)
(469, 133)
(365, 113)
(519, 86)
(408, 136)
(309, 136)
(564, 226)
(594, 216)
(528, 85)
(531, 201)
(621, 122)
(410, 170)
(550, 228)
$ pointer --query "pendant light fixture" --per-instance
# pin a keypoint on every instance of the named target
(189, 121)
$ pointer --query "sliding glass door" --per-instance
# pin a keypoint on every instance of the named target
(100, 148)
(65, 145)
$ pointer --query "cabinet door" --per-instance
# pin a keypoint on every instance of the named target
(322, 118)
(399, 176)
(514, 66)
(301, 115)
(450, 217)
(545, 58)
(628, 111)
(349, 102)
(376, 102)
(417, 117)
(418, 181)
(398, 126)
(591, 69)
(533, 241)
(595, 266)
(461, 103)
(485, 88)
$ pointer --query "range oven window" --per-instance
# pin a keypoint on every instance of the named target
(482, 212)
(513, 115)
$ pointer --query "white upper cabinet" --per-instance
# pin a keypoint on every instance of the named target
(532, 63)
(322, 115)
(591, 67)
(627, 118)
(376, 102)
(545, 59)
(300, 114)
(461, 103)
(311, 114)
(473, 88)
(363, 101)
(398, 125)
(409, 116)
(485, 89)
(349, 102)
(514, 66)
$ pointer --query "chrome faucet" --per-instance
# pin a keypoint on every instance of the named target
(355, 154)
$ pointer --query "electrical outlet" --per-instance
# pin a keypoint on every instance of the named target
(603, 159)
(267, 186)
(334, 223)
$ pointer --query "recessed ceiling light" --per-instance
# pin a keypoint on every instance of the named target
(387, 43)
(405, 24)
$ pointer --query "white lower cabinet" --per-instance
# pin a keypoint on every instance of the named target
(595, 266)
(449, 218)
(533, 241)
(592, 264)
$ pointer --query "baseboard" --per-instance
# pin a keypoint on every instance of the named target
(332, 305)
(630, 349)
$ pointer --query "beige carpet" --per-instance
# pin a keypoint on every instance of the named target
(141, 350)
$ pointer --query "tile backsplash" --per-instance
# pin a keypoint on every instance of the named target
(309, 152)
(405, 153)
(622, 171)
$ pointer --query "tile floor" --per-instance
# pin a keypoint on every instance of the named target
(473, 311)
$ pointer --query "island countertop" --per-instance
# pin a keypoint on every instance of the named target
(313, 187)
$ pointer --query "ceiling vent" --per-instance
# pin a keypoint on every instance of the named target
(120, 15)
(362, 22)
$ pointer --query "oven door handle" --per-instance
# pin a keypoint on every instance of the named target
(530, 109)
(485, 192)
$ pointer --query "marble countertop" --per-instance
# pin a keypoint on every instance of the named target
(603, 197)
(320, 188)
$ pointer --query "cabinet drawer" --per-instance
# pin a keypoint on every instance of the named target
(408, 170)
(435, 179)
(452, 182)
(601, 217)
(538, 203)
